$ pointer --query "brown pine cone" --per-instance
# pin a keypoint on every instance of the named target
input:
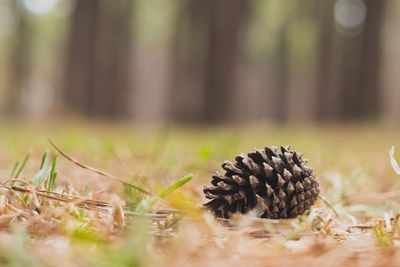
(278, 185)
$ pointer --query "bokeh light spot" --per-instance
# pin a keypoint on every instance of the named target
(39, 7)
(350, 14)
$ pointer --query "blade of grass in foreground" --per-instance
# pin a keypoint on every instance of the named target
(42, 173)
(14, 168)
(43, 162)
(53, 175)
(17, 169)
(22, 165)
(175, 186)
(172, 188)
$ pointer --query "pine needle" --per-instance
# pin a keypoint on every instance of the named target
(85, 203)
(102, 173)
(329, 206)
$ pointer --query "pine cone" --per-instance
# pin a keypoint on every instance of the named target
(279, 186)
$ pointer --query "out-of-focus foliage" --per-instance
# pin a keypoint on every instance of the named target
(199, 62)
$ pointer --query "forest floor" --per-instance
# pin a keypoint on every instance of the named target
(55, 213)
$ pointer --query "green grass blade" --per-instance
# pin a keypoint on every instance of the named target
(14, 169)
(172, 188)
(22, 166)
(40, 177)
(43, 162)
(175, 186)
(53, 175)
(43, 172)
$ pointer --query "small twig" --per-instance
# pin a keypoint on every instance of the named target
(60, 197)
(363, 227)
(147, 214)
(102, 173)
(35, 200)
(85, 203)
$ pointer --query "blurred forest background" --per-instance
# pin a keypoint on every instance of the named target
(201, 61)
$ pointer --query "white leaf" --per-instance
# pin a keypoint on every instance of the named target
(393, 161)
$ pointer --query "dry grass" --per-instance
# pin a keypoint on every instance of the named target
(87, 219)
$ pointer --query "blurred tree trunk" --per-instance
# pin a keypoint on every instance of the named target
(20, 60)
(282, 75)
(360, 70)
(326, 93)
(391, 60)
(372, 58)
(226, 21)
(349, 66)
(189, 58)
(295, 62)
(207, 51)
(98, 58)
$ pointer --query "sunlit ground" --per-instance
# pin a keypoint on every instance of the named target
(352, 164)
